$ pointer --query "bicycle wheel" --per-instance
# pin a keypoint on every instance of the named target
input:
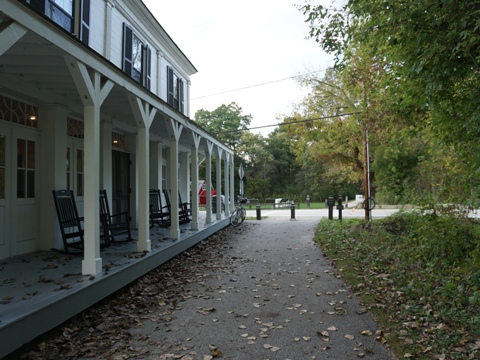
(371, 202)
(243, 214)
(235, 219)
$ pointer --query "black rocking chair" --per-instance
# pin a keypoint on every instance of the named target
(183, 217)
(68, 219)
(159, 211)
(113, 225)
(186, 206)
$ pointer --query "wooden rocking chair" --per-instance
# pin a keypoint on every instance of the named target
(68, 219)
(159, 211)
(183, 217)
(113, 225)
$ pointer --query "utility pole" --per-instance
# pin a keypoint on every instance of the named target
(366, 172)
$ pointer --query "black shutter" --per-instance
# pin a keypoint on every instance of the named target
(127, 49)
(170, 95)
(180, 96)
(85, 21)
(147, 59)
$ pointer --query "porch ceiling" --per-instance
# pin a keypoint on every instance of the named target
(34, 70)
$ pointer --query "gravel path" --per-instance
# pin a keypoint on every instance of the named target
(278, 298)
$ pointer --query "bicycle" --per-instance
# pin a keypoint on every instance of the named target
(371, 204)
(238, 215)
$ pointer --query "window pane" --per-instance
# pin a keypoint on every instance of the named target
(80, 165)
(21, 183)
(21, 152)
(61, 12)
(30, 184)
(79, 184)
(2, 150)
(31, 155)
(80, 161)
(66, 5)
(2, 183)
(137, 76)
(68, 168)
(137, 53)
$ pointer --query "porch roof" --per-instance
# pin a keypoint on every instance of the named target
(34, 68)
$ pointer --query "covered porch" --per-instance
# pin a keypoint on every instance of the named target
(67, 114)
(40, 290)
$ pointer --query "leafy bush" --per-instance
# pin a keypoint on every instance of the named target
(420, 274)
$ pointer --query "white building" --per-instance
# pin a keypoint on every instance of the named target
(94, 95)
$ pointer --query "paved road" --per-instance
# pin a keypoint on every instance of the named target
(278, 298)
(351, 212)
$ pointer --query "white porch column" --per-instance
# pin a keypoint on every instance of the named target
(167, 169)
(92, 91)
(174, 130)
(219, 183)
(155, 165)
(226, 172)
(194, 171)
(144, 114)
(232, 183)
(208, 181)
(53, 158)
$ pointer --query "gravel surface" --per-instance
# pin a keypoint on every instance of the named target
(277, 298)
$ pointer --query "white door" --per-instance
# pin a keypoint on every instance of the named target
(5, 176)
(24, 149)
(75, 171)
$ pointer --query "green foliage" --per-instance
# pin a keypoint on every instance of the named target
(427, 58)
(225, 122)
(419, 273)
(397, 165)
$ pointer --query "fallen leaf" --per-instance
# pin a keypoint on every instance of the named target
(216, 353)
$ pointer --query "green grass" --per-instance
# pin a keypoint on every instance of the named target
(420, 277)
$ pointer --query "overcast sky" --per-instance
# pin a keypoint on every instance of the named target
(241, 45)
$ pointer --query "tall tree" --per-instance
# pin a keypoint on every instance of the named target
(431, 48)
(225, 122)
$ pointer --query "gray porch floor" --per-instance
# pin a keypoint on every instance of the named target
(39, 291)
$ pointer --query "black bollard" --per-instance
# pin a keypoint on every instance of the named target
(340, 208)
(330, 204)
(259, 213)
(292, 212)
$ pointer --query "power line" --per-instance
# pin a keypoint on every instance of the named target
(288, 123)
(256, 85)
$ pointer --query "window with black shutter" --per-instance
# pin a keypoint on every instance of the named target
(63, 12)
(174, 90)
(180, 95)
(127, 49)
(170, 88)
(147, 60)
(136, 57)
